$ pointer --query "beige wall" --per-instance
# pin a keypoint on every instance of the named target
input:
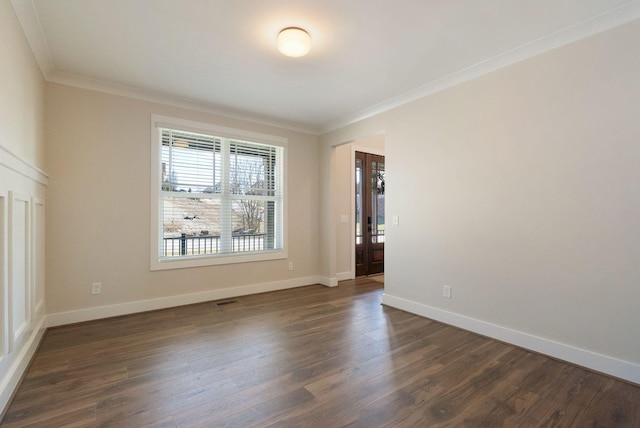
(22, 204)
(98, 158)
(520, 190)
(342, 206)
(343, 183)
(336, 248)
(21, 92)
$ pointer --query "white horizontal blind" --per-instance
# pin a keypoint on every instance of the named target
(219, 195)
(190, 162)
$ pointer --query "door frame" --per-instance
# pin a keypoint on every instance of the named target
(355, 148)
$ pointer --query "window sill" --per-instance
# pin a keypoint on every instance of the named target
(201, 261)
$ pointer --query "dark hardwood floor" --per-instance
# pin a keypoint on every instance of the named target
(311, 356)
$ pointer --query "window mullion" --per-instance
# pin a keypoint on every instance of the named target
(226, 243)
(219, 199)
(162, 193)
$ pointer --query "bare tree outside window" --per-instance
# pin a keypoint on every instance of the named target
(248, 175)
(252, 181)
(219, 195)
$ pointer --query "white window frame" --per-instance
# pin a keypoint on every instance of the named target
(162, 263)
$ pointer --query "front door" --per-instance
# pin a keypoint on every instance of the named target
(369, 214)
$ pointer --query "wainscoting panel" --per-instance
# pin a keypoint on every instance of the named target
(37, 256)
(4, 315)
(22, 271)
(19, 284)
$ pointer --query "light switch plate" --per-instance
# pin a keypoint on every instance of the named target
(446, 291)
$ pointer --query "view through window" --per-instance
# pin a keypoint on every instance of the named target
(219, 195)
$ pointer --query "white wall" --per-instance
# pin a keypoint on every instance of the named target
(520, 190)
(98, 158)
(21, 203)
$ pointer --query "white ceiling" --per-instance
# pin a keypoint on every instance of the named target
(367, 55)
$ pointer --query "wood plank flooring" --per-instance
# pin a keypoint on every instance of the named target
(312, 356)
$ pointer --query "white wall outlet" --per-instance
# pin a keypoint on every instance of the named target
(96, 288)
(396, 220)
(290, 265)
(344, 218)
(446, 291)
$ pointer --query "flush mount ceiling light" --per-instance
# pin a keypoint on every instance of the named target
(294, 41)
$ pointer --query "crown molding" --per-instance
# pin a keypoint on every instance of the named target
(30, 22)
(613, 18)
(174, 101)
(28, 18)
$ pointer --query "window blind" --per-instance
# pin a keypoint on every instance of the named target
(219, 195)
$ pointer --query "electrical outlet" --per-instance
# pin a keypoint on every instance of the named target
(290, 265)
(446, 291)
(96, 288)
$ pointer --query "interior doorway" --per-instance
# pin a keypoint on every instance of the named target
(369, 213)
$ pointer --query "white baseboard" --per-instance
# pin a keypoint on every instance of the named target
(99, 312)
(601, 363)
(328, 282)
(343, 276)
(11, 378)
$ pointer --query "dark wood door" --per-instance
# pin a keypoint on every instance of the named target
(369, 213)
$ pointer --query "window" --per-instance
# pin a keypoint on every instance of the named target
(217, 195)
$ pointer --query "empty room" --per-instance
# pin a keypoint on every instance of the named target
(196, 228)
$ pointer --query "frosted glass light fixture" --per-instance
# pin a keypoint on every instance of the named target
(294, 41)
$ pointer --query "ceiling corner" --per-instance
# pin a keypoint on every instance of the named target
(610, 19)
(30, 22)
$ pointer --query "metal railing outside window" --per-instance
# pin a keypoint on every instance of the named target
(185, 245)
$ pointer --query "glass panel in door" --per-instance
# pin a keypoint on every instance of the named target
(358, 215)
(377, 202)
